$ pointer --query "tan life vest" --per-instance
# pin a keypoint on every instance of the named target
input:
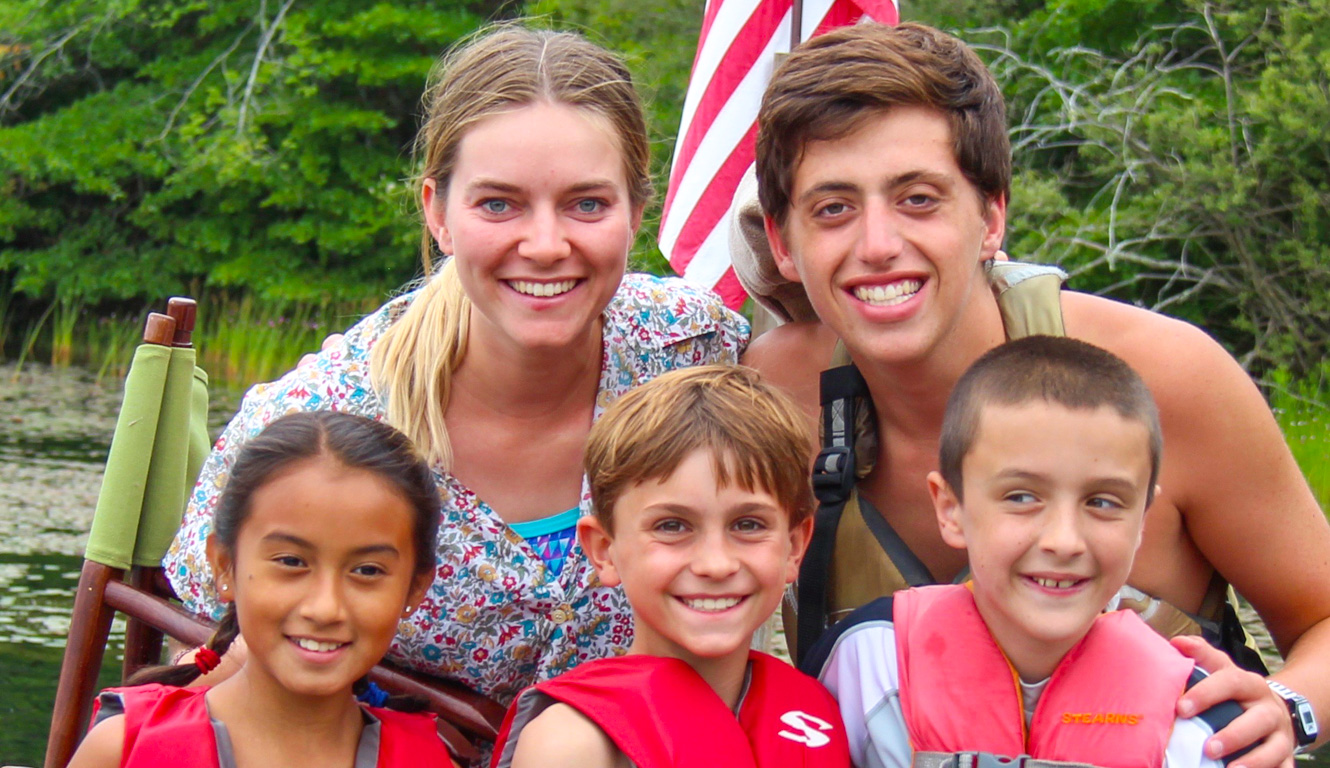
(866, 559)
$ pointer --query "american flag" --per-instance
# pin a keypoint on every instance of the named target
(735, 59)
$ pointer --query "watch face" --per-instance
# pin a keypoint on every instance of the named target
(1304, 714)
(1304, 721)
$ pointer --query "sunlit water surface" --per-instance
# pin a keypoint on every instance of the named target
(55, 430)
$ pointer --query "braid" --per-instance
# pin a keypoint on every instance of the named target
(181, 675)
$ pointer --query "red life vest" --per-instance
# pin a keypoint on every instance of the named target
(1110, 702)
(168, 727)
(661, 714)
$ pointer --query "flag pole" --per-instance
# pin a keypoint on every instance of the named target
(796, 24)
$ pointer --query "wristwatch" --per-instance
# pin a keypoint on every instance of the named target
(1304, 722)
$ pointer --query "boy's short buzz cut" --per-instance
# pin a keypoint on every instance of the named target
(1062, 371)
(758, 437)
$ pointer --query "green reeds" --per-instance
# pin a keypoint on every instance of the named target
(67, 312)
(242, 341)
(1303, 410)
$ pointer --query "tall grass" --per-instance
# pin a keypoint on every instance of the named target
(241, 340)
(1303, 410)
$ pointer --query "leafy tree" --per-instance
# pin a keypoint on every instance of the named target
(1184, 168)
(260, 143)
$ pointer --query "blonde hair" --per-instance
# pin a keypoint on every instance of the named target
(756, 434)
(500, 69)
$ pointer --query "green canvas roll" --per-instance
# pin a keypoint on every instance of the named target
(120, 502)
(166, 491)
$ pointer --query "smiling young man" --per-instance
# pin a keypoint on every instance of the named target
(702, 511)
(884, 171)
(1050, 452)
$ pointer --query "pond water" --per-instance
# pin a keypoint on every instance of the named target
(55, 429)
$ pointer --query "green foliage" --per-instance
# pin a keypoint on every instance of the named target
(259, 145)
(242, 340)
(1174, 155)
(1303, 410)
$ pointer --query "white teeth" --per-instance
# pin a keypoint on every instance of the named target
(1054, 583)
(711, 604)
(887, 295)
(542, 290)
(316, 645)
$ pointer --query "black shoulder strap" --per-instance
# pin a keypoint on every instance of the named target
(842, 389)
(911, 568)
(833, 480)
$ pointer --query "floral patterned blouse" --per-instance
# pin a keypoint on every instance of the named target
(496, 618)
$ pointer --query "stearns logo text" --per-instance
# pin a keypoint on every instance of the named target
(1100, 718)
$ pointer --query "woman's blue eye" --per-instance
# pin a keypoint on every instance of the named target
(590, 205)
(495, 206)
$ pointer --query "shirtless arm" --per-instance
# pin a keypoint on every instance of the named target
(103, 746)
(1242, 501)
(562, 737)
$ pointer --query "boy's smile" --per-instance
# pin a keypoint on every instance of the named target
(703, 566)
(1054, 504)
(887, 235)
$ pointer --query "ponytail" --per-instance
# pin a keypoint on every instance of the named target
(412, 364)
(181, 675)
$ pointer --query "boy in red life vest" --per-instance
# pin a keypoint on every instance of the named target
(700, 485)
(1050, 450)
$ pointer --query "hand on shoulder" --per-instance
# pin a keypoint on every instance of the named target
(562, 737)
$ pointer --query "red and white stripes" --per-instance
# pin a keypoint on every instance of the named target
(735, 59)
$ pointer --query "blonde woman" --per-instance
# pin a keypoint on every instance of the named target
(534, 177)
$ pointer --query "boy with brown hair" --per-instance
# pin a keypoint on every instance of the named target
(700, 488)
(884, 171)
(1049, 456)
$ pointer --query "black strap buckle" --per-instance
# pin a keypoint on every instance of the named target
(833, 474)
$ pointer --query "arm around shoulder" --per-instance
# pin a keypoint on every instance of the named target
(1242, 499)
(1226, 467)
(103, 747)
(562, 737)
(1242, 496)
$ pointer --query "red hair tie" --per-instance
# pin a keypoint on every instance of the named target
(206, 659)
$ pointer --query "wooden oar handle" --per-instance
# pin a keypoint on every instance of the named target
(183, 310)
(159, 330)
